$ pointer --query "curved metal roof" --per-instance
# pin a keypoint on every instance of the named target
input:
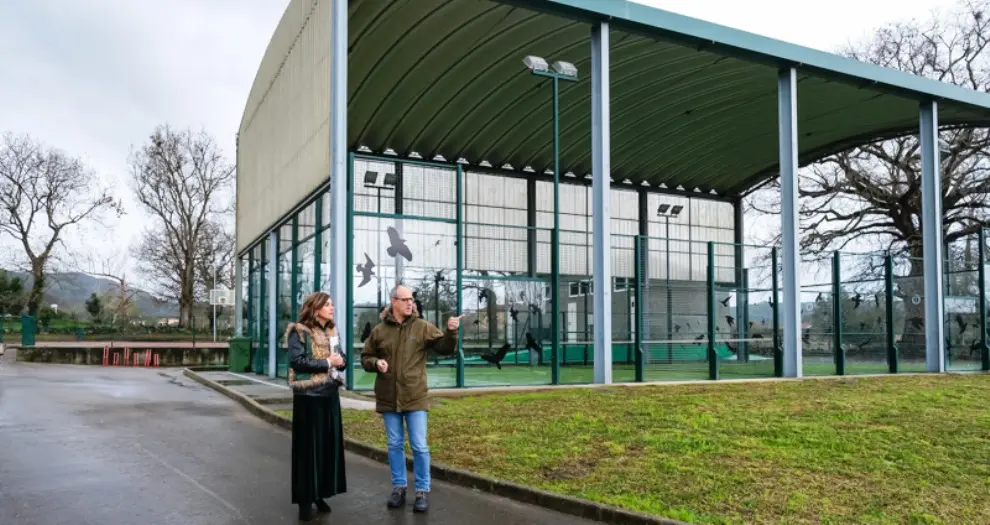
(693, 104)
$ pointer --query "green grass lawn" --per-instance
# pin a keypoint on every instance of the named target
(871, 450)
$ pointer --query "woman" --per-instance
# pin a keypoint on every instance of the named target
(315, 373)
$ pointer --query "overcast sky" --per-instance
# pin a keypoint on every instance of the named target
(94, 77)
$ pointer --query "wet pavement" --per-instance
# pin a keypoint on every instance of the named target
(84, 445)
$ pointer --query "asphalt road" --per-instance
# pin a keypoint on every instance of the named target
(90, 445)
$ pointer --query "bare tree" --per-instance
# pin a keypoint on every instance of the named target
(43, 194)
(118, 301)
(180, 178)
(871, 195)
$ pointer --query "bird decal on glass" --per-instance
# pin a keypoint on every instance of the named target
(366, 270)
(397, 245)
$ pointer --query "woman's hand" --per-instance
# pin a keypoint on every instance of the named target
(336, 361)
(382, 366)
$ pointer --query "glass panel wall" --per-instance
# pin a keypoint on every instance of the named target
(406, 224)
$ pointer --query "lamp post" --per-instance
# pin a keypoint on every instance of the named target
(667, 212)
(378, 182)
(215, 304)
(558, 71)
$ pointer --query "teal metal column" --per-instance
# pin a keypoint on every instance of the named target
(778, 354)
(294, 288)
(555, 243)
(460, 272)
(271, 267)
(892, 357)
(640, 324)
(712, 355)
(238, 298)
(985, 347)
(318, 248)
(249, 302)
(840, 354)
(348, 274)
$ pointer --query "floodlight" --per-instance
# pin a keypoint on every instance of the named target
(373, 179)
(535, 63)
(676, 210)
(663, 209)
(565, 68)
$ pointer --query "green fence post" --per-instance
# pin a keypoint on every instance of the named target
(892, 354)
(985, 350)
(712, 355)
(555, 321)
(778, 355)
(840, 354)
(460, 272)
(638, 269)
(742, 313)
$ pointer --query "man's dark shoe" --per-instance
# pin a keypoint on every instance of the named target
(322, 506)
(306, 512)
(422, 501)
(398, 498)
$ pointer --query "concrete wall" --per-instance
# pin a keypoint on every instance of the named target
(94, 356)
(283, 148)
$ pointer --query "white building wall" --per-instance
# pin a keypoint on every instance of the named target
(284, 135)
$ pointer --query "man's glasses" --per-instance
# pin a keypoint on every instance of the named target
(403, 299)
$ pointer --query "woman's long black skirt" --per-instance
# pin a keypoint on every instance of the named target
(317, 448)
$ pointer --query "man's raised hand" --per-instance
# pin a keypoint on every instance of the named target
(454, 323)
(382, 365)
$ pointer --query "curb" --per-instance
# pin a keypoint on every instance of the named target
(533, 496)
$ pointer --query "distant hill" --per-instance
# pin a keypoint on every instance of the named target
(71, 290)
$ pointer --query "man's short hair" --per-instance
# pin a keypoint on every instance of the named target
(395, 290)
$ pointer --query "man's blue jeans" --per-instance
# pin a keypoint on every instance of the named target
(416, 423)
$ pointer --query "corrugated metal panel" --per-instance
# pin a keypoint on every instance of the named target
(284, 137)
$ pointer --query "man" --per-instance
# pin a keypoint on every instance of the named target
(396, 351)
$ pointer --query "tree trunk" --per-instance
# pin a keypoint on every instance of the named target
(186, 296)
(38, 288)
(912, 345)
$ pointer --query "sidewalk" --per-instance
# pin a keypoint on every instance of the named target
(274, 392)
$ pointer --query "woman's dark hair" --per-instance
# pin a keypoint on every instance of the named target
(307, 317)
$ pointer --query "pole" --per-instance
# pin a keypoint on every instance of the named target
(555, 247)
(984, 349)
(712, 355)
(214, 306)
(670, 302)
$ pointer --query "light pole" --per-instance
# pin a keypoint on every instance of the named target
(378, 182)
(667, 212)
(216, 297)
(558, 71)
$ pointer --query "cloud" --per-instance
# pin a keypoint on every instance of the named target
(95, 77)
